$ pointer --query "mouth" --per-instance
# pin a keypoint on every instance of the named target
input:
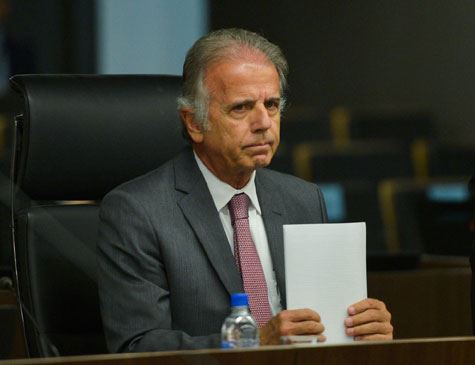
(259, 150)
(259, 145)
(261, 153)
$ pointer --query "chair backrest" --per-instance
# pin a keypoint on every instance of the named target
(450, 159)
(471, 188)
(403, 127)
(431, 216)
(78, 136)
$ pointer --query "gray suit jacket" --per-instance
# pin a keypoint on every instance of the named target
(166, 270)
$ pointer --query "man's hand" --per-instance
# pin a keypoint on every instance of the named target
(369, 320)
(290, 323)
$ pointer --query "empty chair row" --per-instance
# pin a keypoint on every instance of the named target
(432, 216)
(340, 126)
(373, 160)
(411, 216)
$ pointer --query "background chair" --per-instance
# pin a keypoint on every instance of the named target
(76, 138)
(404, 127)
(439, 159)
(296, 129)
(471, 188)
(355, 168)
(431, 216)
(396, 125)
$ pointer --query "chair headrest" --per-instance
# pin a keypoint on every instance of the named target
(84, 134)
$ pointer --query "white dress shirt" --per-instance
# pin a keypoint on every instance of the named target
(222, 194)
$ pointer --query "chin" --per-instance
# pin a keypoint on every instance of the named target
(262, 162)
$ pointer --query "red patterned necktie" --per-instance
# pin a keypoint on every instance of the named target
(247, 260)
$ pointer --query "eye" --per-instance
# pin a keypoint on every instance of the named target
(272, 105)
(239, 107)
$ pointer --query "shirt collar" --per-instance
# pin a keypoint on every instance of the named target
(222, 192)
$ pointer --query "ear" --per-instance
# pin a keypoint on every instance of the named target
(194, 129)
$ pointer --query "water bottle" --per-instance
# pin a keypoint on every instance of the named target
(239, 328)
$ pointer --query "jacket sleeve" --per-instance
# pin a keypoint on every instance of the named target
(133, 289)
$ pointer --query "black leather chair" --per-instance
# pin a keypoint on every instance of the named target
(77, 137)
(471, 187)
(402, 127)
(355, 168)
(430, 216)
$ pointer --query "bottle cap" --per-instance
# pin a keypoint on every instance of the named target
(239, 300)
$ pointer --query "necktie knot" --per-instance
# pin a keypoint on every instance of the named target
(239, 207)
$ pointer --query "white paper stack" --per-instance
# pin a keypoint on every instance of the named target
(325, 270)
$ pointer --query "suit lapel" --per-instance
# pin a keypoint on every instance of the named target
(273, 211)
(198, 208)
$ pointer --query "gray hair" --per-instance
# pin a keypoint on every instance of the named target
(217, 45)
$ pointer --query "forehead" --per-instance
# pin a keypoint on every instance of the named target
(246, 77)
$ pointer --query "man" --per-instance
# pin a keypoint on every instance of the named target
(167, 239)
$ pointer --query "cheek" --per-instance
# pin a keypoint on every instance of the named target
(276, 128)
(237, 134)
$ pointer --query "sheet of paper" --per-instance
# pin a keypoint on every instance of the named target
(325, 270)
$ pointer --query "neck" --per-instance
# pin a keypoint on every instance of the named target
(238, 182)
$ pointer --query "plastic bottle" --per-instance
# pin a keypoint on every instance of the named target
(239, 328)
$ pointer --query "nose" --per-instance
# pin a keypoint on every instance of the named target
(261, 120)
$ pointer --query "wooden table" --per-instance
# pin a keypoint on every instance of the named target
(449, 350)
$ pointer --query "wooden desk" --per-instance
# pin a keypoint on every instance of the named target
(449, 350)
(425, 303)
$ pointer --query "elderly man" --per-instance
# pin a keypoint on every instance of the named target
(170, 250)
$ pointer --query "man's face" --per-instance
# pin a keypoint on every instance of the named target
(244, 118)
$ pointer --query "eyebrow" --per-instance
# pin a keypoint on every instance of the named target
(252, 101)
(241, 102)
(274, 99)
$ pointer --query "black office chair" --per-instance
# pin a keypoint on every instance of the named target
(430, 216)
(77, 137)
(471, 188)
(402, 127)
(438, 159)
(355, 168)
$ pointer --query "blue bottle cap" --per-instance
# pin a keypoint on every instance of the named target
(239, 300)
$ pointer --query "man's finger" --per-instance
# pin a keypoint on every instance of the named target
(376, 337)
(366, 304)
(370, 315)
(373, 328)
(307, 328)
(299, 315)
